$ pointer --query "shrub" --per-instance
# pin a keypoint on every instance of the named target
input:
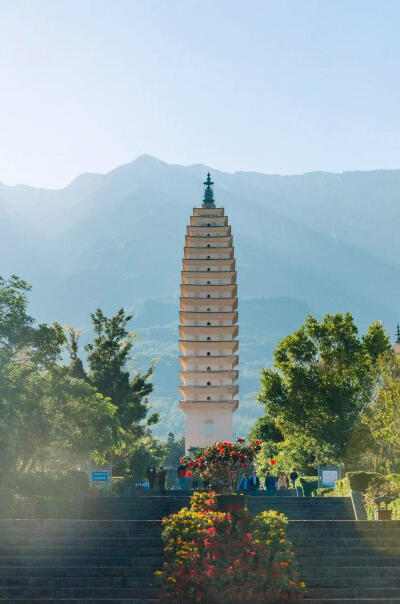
(323, 492)
(212, 557)
(308, 484)
(342, 488)
(359, 481)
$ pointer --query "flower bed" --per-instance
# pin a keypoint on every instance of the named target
(214, 557)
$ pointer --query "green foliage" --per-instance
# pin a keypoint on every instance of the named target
(308, 484)
(294, 452)
(174, 450)
(359, 481)
(265, 429)
(108, 357)
(211, 557)
(144, 452)
(342, 488)
(323, 380)
(323, 492)
(47, 418)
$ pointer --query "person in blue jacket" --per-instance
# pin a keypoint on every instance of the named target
(270, 484)
(244, 483)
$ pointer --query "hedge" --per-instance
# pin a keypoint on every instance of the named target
(322, 492)
(359, 481)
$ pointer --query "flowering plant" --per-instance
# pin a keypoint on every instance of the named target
(212, 557)
(222, 463)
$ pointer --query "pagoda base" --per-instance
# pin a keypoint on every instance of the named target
(207, 422)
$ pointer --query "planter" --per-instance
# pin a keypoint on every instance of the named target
(383, 514)
(231, 503)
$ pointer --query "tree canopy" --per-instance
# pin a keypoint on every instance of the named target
(323, 379)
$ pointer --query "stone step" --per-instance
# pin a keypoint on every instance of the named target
(81, 542)
(80, 601)
(77, 550)
(353, 582)
(77, 582)
(18, 593)
(81, 561)
(343, 593)
(318, 562)
(349, 600)
(348, 542)
(329, 572)
(79, 571)
(332, 550)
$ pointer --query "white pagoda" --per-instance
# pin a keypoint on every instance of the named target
(208, 326)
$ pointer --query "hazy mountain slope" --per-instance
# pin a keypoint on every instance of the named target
(326, 241)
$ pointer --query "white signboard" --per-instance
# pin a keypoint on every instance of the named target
(329, 478)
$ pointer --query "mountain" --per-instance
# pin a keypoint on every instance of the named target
(316, 242)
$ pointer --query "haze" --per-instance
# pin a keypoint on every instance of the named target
(284, 87)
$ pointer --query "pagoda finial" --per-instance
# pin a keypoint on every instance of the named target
(208, 199)
(398, 334)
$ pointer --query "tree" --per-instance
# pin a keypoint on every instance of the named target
(266, 429)
(146, 451)
(47, 417)
(174, 450)
(323, 380)
(108, 358)
(383, 413)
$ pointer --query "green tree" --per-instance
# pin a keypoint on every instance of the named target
(266, 429)
(174, 450)
(146, 451)
(323, 380)
(383, 413)
(108, 360)
(46, 416)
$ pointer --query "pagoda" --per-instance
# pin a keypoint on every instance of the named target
(208, 326)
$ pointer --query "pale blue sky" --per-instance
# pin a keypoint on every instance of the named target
(283, 86)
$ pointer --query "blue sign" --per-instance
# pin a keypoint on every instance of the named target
(99, 476)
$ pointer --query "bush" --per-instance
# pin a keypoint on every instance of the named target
(308, 484)
(323, 492)
(342, 488)
(212, 557)
(359, 481)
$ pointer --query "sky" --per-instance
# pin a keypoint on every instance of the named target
(271, 86)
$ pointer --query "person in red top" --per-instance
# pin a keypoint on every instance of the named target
(181, 473)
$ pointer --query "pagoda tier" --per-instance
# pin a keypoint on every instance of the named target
(208, 326)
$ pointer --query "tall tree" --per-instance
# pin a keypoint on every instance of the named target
(108, 360)
(323, 379)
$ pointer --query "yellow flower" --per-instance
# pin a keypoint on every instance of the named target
(282, 541)
(302, 584)
(159, 572)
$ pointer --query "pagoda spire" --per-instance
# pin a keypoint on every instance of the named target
(208, 199)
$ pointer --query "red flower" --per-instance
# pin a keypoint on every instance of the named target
(257, 442)
(188, 473)
(201, 466)
(182, 459)
(241, 456)
(272, 462)
(200, 459)
(240, 440)
(232, 453)
(191, 464)
(229, 444)
(245, 465)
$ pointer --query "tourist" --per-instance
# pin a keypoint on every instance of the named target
(161, 480)
(244, 483)
(181, 473)
(270, 484)
(195, 480)
(254, 483)
(282, 482)
(151, 475)
(293, 477)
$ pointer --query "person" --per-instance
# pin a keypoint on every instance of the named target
(244, 483)
(254, 483)
(269, 484)
(151, 475)
(161, 480)
(181, 473)
(293, 477)
(282, 482)
(195, 480)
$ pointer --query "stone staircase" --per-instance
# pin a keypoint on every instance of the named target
(348, 561)
(111, 554)
(79, 561)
